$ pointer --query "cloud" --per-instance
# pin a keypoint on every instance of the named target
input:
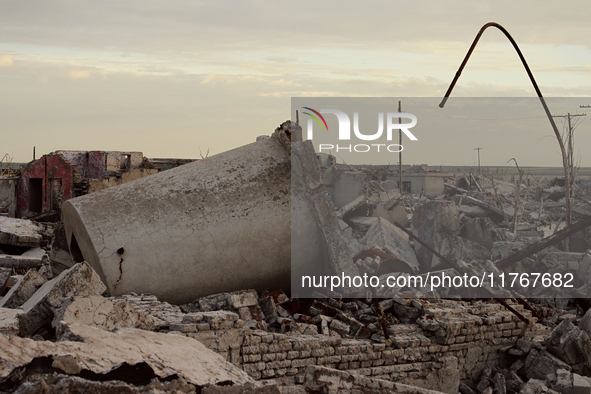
(146, 69)
(6, 61)
(79, 74)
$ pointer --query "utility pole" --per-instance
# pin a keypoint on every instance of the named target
(400, 152)
(478, 149)
(569, 150)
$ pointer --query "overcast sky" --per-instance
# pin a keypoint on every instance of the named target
(178, 78)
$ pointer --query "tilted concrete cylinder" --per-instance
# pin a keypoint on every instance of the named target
(214, 225)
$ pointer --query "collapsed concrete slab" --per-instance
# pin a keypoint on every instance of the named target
(214, 225)
(5, 274)
(100, 352)
(80, 280)
(571, 344)
(477, 231)
(393, 241)
(102, 313)
(456, 248)
(20, 232)
(328, 380)
(540, 364)
(9, 320)
(21, 262)
(56, 383)
(433, 221)
(396, 214)
(26, 286)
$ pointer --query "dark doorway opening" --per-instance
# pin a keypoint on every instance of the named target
(35, 195)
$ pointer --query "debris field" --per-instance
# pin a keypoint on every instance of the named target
(91, 304)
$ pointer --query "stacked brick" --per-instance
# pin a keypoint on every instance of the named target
(450, 336)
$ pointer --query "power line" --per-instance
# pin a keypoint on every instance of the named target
(478, 149)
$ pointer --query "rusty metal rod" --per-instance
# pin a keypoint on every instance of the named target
(519, 315)
(538, 92)
(455, 266)
(527, 306)
(446, 261)
(544, 243)
(380, 313)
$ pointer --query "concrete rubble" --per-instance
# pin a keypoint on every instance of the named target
(158, 295)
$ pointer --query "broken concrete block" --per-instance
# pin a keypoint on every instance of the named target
(499, 383)
(9, 321)
(244, 298)
(328, 380)
(21, 262)
(55, 383)
(214, 225)
(585, 323)
(456, 248)
(570, 344)
(581, 385)
(514, 382)
(465, 389)
(477, 231)
(101, 352)
(4, 277)
(340, 327)
(23, 289)
(485, 380)
(536, 386)
(563, 382)
(37, 252)
(60, 256)
(517, 365)
(433, 221)
(347, 231)
(541, 364)
(323, 324)
(20, 232)
(524, 344)
(362, 223)
(472, 211)
(428, 323)
(393, 241)
(80, 280)
(13, 280)
(103, 313)
(396, 215)
(406, 314)
(269, 308)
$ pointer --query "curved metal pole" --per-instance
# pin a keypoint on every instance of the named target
(538, 92)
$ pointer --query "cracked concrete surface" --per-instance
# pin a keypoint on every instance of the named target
(101, 352)
(178, 225)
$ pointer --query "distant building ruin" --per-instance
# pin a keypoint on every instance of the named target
(40, 188)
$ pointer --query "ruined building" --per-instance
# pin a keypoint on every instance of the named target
(39, 190)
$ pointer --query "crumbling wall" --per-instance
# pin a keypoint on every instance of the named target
(425, 183)
(8, 201)
(102, 164)
(454, 341)
(53, 171)
(95, 185)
